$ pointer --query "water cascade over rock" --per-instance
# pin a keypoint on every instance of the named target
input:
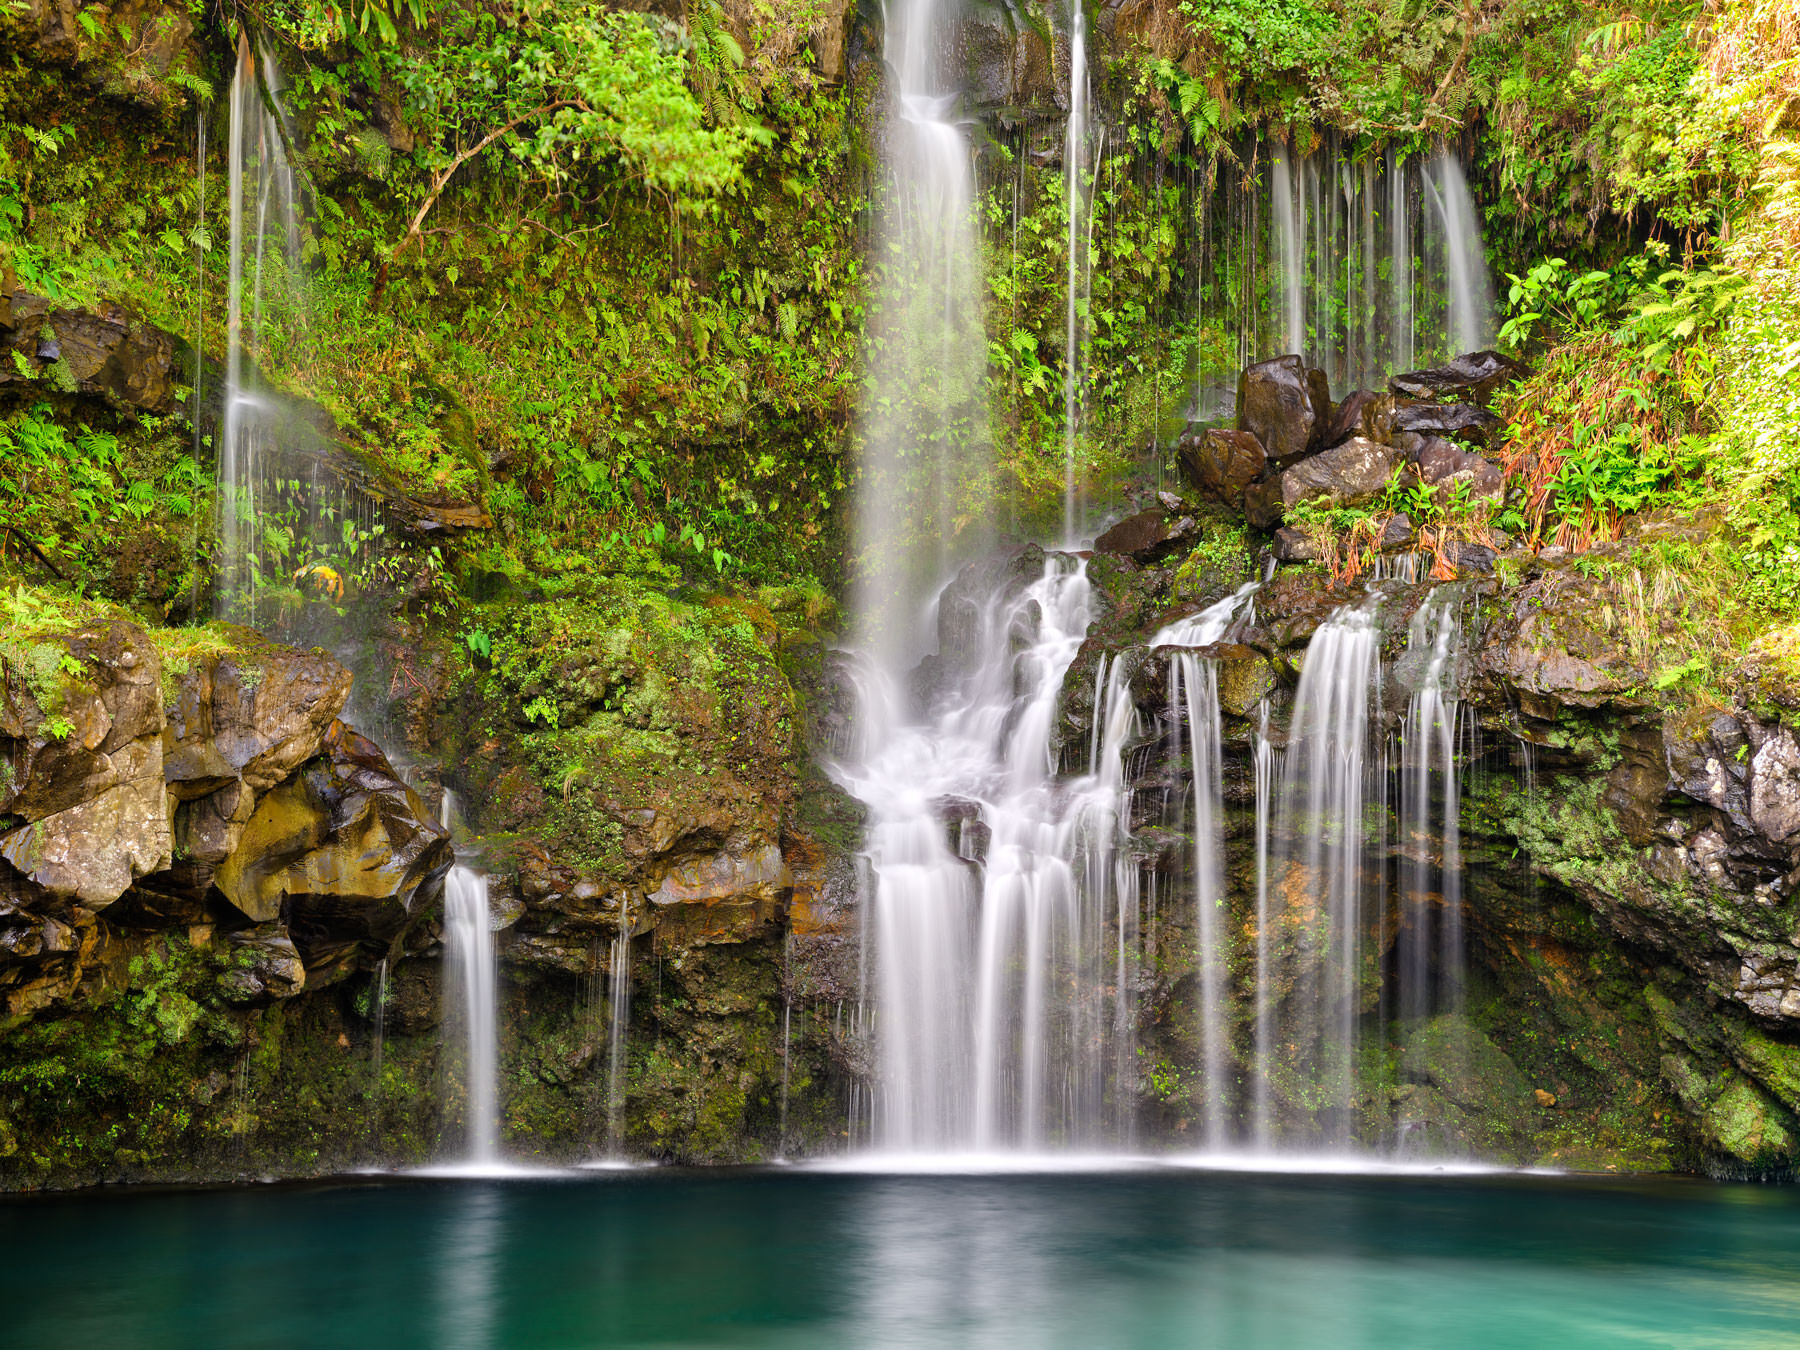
(1363, 264)
(473, 1001)
(924, 436)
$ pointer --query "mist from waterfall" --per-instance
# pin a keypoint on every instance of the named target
(265, 274)
(925, 450)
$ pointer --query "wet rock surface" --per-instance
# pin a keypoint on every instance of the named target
(1286, 405)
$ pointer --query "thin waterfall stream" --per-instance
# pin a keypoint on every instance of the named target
(472, 995)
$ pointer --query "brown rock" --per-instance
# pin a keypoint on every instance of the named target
(1351, 472)
(1147, 536)
(1285, 405)
(1221, 463)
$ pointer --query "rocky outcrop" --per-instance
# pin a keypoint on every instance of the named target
(243, 804)
(1474, 377)
(104, 352)
(1220, 463)
(1352, 472)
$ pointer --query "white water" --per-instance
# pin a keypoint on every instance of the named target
(471, 993)
(925, 449)
(618, 1021)
(1310, 919)
(1363, 266)
(1430, 935)
(1194, 695)
(264, 270)
(995, 886)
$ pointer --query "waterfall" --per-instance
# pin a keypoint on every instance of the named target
(472, 976)
(1194, 694)
(1374, 263)
(924, 443)
(1469, 285)
(1429, 976)
(264, 259)
(1080, 211)
(1310, 943)
(997, 891)
(618, 1019)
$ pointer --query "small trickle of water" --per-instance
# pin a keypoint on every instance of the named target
(378, 1015)
(264, 259)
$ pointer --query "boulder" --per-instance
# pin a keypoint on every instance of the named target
(1464, 421)
(104, 352)
(345, 851)
(1473, 377)
(238, 725)
(1262, 503)
(1286, 405)
(1222, 463)
(1442, 463)
(1291, 546)
(1148, 536)
(81, 762)
(1351, 472)
(1365, 413)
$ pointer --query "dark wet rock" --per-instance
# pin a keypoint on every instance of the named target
(1263, 504)
(1286, 405)
(1148, 536)
(1352, 472)
(105, 352)
(1010, 65)
(1463, 421)
(1291, 546)
(1442, 464)
(1398, 533)
(1220, 464)
(1473, 377)
(1467, 556)
(1366, 413)
(265, 966)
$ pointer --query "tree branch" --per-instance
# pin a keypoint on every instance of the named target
(415, 230)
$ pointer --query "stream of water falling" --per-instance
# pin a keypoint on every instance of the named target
(471, 991)
(1310, 917)
(1365, 265)
(1079, 204)
(264, 271)
(618, 1020)
(924, 448)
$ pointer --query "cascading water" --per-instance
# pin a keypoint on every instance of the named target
(472, 998)
(1430, 935)
(1311, 920)
(618, 1019)
(1365, 264)
(265, 270)
(925, 451)
(1194, 694)
(991, 882)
